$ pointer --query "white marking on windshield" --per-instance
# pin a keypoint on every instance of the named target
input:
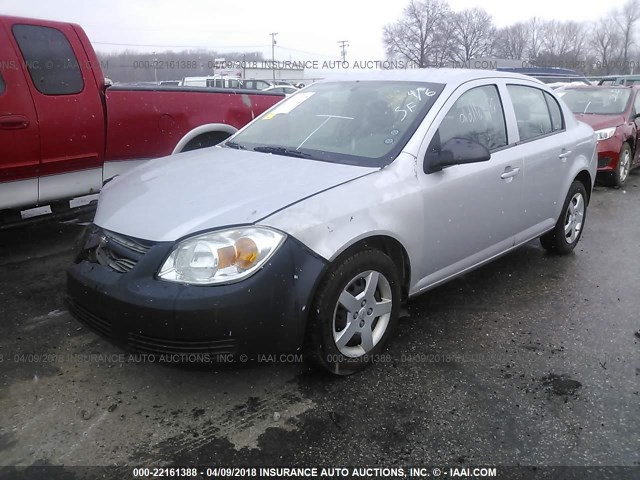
(328, 117)
(335, 116)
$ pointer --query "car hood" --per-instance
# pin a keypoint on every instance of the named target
(598, 122)
(168, 198)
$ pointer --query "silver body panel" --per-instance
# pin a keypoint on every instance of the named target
(448, 222)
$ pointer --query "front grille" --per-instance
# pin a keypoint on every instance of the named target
(118, 252)
(161, 346)
(603, 161)
(100, 325)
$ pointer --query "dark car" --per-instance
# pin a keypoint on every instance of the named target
(612, 111)
(620, 80)
(553, 77)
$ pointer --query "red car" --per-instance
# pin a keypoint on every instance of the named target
(614, 113)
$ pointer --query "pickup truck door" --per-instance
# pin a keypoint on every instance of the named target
(69, 108)
(19, 141)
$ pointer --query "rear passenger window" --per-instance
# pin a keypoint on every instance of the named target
(532, 113)
(555, 111)
(52, 65)
(477, 115)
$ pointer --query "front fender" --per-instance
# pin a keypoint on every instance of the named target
(387, 203)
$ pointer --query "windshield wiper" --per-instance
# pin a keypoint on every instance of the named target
(282, 151)
(235, 145)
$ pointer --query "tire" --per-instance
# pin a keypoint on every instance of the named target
(566, 234)
(619, 176)
(347, 333)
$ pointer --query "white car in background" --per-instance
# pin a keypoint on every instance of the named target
(286, 89)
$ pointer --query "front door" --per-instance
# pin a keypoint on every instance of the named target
(69, 110)
(19, 138)
(471, 211)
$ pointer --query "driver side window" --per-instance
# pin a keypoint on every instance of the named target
(477, 115)
(636, 105)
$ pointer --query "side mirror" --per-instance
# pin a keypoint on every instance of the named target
(455, 151)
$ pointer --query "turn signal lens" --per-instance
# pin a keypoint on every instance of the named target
(247, 252)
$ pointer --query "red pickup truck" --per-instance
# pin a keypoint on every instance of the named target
(64, 131)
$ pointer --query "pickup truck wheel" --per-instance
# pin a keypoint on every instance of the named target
(354, 313)
(566, 234)
(618, 177)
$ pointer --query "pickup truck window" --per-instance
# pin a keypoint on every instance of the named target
(50, 60)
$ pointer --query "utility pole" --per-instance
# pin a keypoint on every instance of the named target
(343, 47)
(273, 55)
(155, 67)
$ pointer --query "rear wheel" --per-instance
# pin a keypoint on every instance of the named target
(568, 230)
(354, 313)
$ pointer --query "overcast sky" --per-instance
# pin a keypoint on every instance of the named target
(307, 30)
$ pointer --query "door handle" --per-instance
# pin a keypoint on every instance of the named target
(13, 122)
(510, 172)
(565, 154)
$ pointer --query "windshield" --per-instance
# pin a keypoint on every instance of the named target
(602, 101)
(360, 122)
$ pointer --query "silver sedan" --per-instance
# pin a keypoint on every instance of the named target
(310, 226)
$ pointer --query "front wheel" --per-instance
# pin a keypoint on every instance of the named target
(354, 313)
(565, 235)
(618, 177)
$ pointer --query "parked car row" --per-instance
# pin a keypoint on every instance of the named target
(219, 81)
(310, 226)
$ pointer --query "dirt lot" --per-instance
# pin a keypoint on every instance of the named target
(532, 360)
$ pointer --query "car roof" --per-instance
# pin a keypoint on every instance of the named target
(432, 75)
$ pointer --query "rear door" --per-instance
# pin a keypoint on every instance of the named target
(68, 106)
(19, 140)
(548, 152)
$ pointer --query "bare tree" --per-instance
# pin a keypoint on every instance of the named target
(445, 44)
(474, 34)
(561, 38)
(535, 28)
(415, 36)
(626, 20)
(605, 41)
(512, 41)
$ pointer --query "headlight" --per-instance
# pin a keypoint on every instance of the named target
(220, 257)
(605, 133)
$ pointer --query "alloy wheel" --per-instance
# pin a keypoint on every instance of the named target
(362, 314)
(574, 218)
(624, 164)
